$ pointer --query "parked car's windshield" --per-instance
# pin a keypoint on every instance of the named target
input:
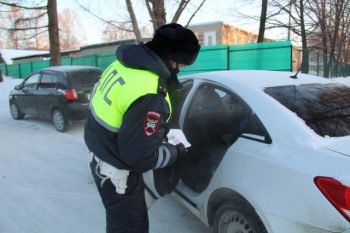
(83, 78)
(324, 107)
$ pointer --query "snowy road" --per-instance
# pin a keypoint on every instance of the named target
(44, 182)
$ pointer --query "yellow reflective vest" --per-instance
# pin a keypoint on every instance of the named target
(117, 89)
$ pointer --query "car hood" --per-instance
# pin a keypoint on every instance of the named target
(341, 145)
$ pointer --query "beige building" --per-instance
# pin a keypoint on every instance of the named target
(220, 33)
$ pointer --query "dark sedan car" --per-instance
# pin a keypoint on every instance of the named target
(60, 93)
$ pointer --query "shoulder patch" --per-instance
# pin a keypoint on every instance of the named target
(151, 123)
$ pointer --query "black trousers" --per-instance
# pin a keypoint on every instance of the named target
(125, 213)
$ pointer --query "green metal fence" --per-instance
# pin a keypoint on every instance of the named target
(262, 56)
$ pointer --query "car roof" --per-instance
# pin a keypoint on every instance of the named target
(250, 86)
(258, 79)
(69, 69)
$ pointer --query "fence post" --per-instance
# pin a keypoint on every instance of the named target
(96, 60)
(19, 70)
(318, 64)
(228, 57)
(6, 70)
(291, 57)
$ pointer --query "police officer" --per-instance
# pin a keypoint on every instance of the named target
(127, 124)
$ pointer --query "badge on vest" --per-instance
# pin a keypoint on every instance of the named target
(152, 122)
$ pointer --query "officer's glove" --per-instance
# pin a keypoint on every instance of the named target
(181, 152)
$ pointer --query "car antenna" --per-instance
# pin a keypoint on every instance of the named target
(296, 74)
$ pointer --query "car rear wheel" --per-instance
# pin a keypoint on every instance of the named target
(59, 120)
(237, 217)
(15, 111)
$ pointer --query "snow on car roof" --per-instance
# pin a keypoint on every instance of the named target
(259, 78)
(71, 68)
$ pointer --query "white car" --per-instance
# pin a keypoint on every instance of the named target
(270, 153)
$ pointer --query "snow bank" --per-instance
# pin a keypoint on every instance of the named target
(345, 81)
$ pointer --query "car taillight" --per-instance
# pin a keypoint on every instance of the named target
(70, 94)
(337, 193)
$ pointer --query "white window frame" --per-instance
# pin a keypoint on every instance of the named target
(207, 35)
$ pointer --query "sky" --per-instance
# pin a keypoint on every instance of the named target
(212, 10)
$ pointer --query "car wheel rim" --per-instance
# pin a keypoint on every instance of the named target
(58, 120)
(234, 222)
(14, 110)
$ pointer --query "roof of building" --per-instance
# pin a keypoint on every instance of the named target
(206, 23)
(92, 46)
(45, 54)
(10, 54)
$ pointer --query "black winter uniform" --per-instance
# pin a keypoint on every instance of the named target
(131, 148)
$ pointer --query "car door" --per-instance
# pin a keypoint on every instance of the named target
(212, 119)
(162, 181)
(26, 100)
(46, 93)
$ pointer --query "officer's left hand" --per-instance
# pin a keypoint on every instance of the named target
(181, 151)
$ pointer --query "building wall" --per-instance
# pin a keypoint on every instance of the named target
(224, 34)
(296, 56)
(208, 34)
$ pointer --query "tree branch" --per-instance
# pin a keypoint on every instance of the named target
(23, 7)
(153, 19)
(134, 23)
(183, 4)
(31, 18)
(194, 13)
(23, 29)
(35, 35)
(103, 20)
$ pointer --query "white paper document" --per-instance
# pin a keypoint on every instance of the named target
(176, 136)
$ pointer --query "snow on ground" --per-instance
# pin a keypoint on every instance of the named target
(44, 181)
(345, 81)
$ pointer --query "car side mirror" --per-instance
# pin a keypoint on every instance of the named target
(19, 86)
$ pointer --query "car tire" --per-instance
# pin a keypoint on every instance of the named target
(237, 217)
(16, 113)
(60, 121)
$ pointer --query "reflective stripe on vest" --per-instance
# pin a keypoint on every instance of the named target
(118, 88)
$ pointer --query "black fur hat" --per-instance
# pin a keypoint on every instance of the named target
(174, 42)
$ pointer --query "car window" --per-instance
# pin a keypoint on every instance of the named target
(61, 82)
(325, 108)
(212, 123)
(32, 81)
(48, 80)
(253, 129)
(83, 78)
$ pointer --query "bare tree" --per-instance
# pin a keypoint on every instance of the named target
(110, 33)
(262, 21)
(55, 52)
(294, 10)
(304, 37)
(51, 12)
(331, 25)
(70, 29)
(134, 23)
(156, 10)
